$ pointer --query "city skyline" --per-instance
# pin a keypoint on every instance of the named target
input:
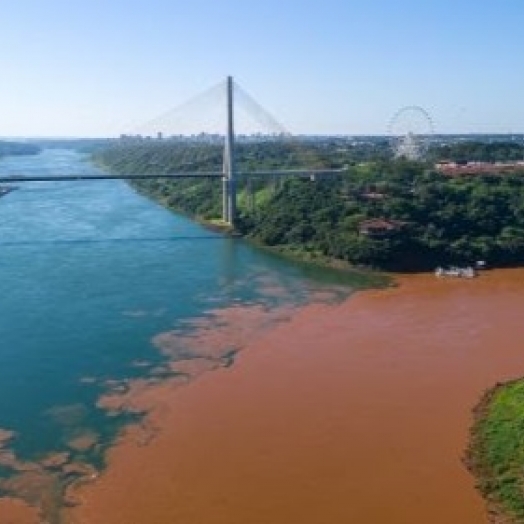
(102, 69)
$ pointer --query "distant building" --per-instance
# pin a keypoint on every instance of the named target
(478, 168)
(373, 195)
(379, 227)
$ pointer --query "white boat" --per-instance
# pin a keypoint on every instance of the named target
(455, 271)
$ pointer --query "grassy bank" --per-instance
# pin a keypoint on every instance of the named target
(496, 452)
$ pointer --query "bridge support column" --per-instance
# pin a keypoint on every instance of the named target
(229, 196)
(225, 199)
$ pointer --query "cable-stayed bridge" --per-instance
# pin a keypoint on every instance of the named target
(224, 121)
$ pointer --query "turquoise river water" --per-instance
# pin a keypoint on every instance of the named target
(90, 272)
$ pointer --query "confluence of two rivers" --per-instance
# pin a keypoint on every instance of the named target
(336, 410)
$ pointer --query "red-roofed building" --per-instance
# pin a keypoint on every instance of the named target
(379, 227)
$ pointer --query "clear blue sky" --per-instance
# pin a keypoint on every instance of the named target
(100, 67)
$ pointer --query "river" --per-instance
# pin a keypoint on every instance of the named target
(334, 411)
(91, 274)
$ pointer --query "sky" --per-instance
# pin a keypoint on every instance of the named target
(104, 67)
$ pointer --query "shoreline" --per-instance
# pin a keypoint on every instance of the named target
(365, 443)
(495, 433)
(290, 253)
(473, 459)
(286, 252)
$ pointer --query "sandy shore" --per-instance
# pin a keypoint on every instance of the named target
(350, 413)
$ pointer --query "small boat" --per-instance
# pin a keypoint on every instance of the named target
(456, 272)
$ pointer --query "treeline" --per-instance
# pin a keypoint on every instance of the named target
(18, 148)
(202, 198)
(477, 151)
(390, 214)
(148, 156)
(421, 219)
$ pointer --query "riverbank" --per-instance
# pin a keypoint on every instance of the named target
(495, 455)
(357, 412)
(328, 268)
(297, 254)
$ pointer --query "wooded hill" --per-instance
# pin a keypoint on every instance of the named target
(382, 212)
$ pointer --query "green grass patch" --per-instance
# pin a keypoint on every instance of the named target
(496, 453)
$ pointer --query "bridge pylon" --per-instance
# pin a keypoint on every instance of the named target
(229, 197)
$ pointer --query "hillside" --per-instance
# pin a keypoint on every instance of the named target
(384, 213)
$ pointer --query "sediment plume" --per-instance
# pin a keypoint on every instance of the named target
(357, 412)
(351, 412)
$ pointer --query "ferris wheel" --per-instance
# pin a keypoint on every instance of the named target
(410, 129)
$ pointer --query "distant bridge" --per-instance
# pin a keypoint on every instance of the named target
(229, 174)
(77, 178)
(304, 173)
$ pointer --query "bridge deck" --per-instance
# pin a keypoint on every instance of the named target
(202, 174)
(76, 178)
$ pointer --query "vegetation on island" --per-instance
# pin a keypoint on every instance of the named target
(496, 453)
(381, 212)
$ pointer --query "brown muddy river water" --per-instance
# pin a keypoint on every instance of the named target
(350, 413)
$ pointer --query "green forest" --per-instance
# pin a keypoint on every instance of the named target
(381, 212)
